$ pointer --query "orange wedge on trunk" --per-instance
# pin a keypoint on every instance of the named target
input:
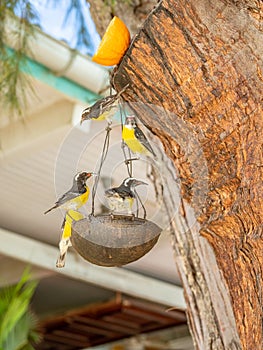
(114, 44)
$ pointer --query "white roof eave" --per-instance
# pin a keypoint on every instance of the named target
(62, 60)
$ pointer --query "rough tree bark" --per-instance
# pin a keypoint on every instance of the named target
(132, 12)
(199, 64)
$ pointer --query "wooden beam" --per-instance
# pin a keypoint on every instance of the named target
(43, 255)
(11, 271)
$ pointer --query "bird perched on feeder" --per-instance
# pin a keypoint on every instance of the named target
(134, 138)
(77, 195)
(104, 108)
(121, 198)
(64, 243)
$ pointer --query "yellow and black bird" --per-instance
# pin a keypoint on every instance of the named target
(64, 243)
(121, 198)
(77, 195)
(134, 138)
(104, 108)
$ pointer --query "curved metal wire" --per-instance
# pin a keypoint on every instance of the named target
(128, 161)
(104, 153)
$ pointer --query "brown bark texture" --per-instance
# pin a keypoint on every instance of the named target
(131, 12)
(195, 74)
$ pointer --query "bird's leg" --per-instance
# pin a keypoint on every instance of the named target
(131, 215)
(127, 161)
(123, 145)
(116, 216)
(108, 127)
(112, 216)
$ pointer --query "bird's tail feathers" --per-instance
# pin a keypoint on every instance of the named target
(64, 244)
(61, 260)
(54, 207)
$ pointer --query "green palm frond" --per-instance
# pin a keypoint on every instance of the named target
(18, 326)
(23, 334)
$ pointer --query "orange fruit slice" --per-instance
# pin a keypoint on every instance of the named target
(114, 44)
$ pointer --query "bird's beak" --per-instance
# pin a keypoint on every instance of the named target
(138, 182)
(82, 119)
(91, 174)
(84, 115)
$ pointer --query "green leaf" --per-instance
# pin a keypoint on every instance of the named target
(17, 307)
(22, 334)
(15, 319)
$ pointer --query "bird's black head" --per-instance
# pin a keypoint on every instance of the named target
(130, 121)
(82, 177)
(86, 114)
(131, 182)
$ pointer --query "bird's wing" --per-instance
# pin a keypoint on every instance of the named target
(143, 140)
(99, 107)
(108, 107)
(108, 101)
(111, 192)
(104, 104)
(119, 192)
(67, 197)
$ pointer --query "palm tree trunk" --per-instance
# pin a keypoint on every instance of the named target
(195, 71)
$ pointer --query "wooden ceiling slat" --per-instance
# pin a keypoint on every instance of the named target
(91, 330)
(148, 316)
(129, 318)
(52, 345)
(66, 334)
(103, 324)
(78, 344)
(92, 310)
(102, 308)
(154, 309)
(117, 320)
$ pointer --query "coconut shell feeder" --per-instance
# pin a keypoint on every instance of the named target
(107, 241)
(113, 239)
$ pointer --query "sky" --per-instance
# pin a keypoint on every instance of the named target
(54, 21)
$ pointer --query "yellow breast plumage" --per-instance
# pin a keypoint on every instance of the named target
(131, 141)
(70, 216)
(78, 201)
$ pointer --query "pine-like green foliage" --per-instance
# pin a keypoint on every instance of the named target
(13, 82)
(17, 322)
